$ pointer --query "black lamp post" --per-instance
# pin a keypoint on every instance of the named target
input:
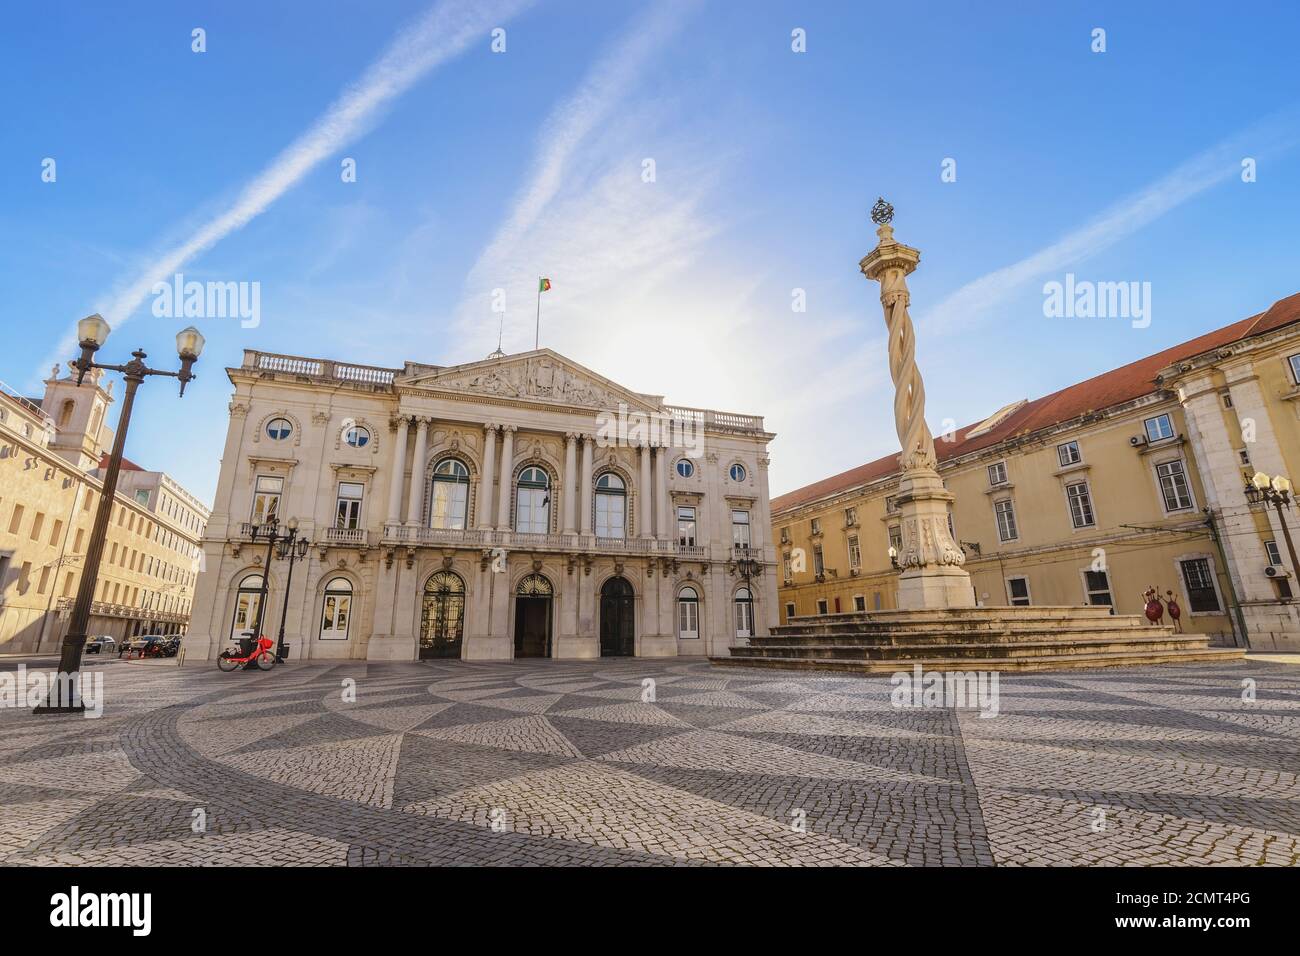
(1277, 492)
(292, 547)
(92, 332)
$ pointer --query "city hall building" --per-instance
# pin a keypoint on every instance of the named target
(521, 506)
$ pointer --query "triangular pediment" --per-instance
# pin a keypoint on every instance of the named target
(538, 376)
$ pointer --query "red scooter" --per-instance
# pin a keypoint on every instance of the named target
(250, 653)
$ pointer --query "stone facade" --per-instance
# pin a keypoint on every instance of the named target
(1089, 496)
(50, 482)
(518, 506)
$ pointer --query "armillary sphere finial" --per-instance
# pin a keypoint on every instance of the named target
(882, 212)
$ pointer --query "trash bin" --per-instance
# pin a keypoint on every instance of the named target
(285, 655)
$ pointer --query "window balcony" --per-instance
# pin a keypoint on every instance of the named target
(347, 537)
(521, 541)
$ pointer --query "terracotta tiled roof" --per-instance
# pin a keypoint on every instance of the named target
(127, 463)
(1102, 391)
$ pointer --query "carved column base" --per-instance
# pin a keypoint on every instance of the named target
(931, 561)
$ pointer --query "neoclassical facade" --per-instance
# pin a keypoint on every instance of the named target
(521, 506)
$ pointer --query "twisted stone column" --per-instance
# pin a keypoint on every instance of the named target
(930, 560)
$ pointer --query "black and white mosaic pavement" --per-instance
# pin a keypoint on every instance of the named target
(565, 763)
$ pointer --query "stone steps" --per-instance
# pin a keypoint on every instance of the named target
(983, 651)
(931, 636)
(1041, 663)
(1006, 638)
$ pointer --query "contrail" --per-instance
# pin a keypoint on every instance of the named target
(1209, 168)
(439, 35)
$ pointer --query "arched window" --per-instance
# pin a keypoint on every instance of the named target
(65, 413)
(737, 472)
(450, 494)
(744, 613)
(611, 506)
(337, 610)
(688, 613)
(358, 436)
(533, 502)
(248, 599)
(685, 467)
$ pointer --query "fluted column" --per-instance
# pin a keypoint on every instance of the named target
(585, 500)
(645, 510)
(661, 493)
(399, 469)
(415, 503)
(488, 476)
(507, 473)
(570, 480)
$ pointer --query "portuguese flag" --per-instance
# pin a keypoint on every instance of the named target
(543, 285)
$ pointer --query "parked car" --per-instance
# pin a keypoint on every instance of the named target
(154, 645)
(101, 643)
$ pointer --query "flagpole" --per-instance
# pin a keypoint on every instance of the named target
(537, 330)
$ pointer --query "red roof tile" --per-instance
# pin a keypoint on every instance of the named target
(127, 463)
(1102, 391)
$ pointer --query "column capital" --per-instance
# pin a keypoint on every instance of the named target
(423, 421)
(508, 429)
(399, 421)
(490, 428)
(572, 437)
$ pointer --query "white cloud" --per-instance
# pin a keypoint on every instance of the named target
(444, 32)
(1117, 221)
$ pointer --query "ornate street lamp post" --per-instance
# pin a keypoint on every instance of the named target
(1277, 492)
(292, 547)
(92, 332)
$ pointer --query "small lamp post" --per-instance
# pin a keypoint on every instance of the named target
(292, 547)
(92, 333)
(1277, 492)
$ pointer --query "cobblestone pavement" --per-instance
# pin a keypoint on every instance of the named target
(564, 763)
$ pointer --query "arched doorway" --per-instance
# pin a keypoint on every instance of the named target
(442, 615)
(744, 604)
(248, 601)
(617, 619)
(688, 613)
(533, 617)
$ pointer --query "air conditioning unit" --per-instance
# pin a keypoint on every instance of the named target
(1137, 440)
(1273, 571)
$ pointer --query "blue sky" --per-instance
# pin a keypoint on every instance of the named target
(478, 170)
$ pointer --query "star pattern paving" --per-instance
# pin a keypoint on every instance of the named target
(567, 763)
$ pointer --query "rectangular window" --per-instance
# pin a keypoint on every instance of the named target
(45, 580)
(1080, 504)
(855, 552)
(896, 537)
(816, 525)
(785, 535)
(67, 584)
(1274, 555)
(348, 509)
(686, 527)
(266, 499)
(1158, 428)
(1068, 453)
(24, 577)
(76, 542)
(1173, 485)
(1199, 579)
(789, 611)
(56, 531)
(891, 504)
(740, 529)
(1006, 515)
(998, 473)
(859, 602)
(822, 607)
(787, 567)
(16, 519)
(37, 521)
(1097, 585)
(1294, 361)
(1244, 455)
(819, 562)
(850, 517)
(1018, 591)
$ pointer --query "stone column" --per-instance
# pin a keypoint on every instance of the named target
(570, 480)
(399, 471)
(415, 503)
(932, 573)
(585, 498)
(661, 494)
(645, 512)
(488, 476)
(507, 475)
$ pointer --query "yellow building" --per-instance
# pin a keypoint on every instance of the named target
(1129, 480)
(51, 457)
